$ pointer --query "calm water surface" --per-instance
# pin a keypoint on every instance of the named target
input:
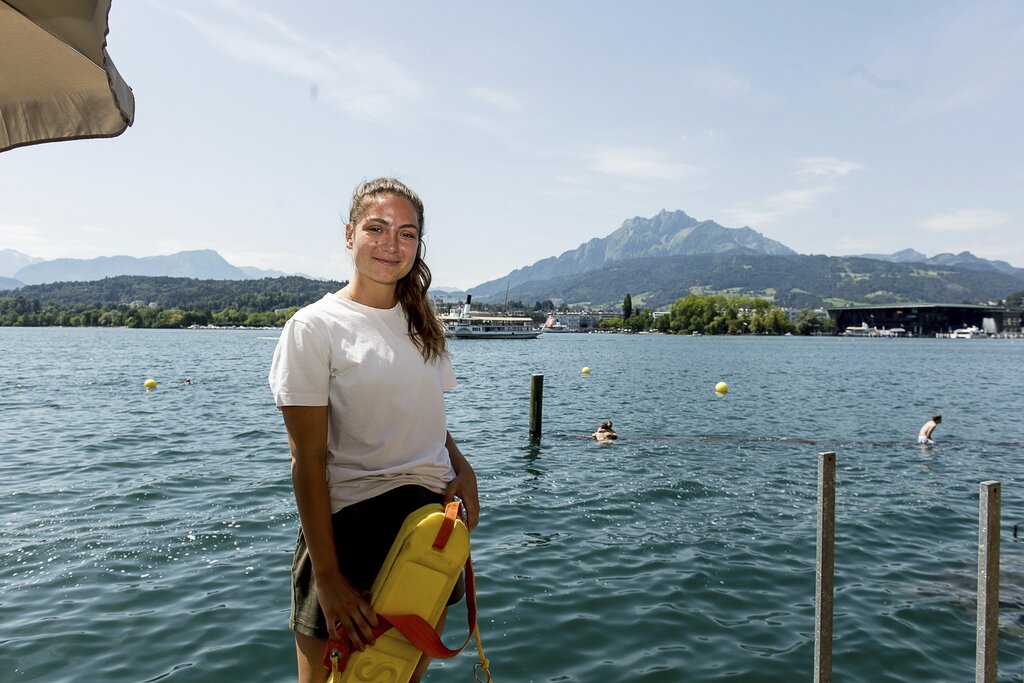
(147, 535)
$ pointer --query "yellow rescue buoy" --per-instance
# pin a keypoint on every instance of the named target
(150, 383)
(721, 388)
(585, 371)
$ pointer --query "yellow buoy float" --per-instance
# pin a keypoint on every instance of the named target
(150, 383)
(585, 371)
(721, 388)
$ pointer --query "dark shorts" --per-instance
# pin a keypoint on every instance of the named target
(363, 534)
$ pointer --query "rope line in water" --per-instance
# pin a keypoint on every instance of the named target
(781, 440)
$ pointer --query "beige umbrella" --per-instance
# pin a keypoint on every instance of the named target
(56, 80)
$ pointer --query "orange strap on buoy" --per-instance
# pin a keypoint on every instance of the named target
(451, 512)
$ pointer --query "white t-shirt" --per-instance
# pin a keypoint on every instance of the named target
(386, 422)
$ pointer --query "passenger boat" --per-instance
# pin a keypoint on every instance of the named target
(461, 323)
(553, 326)
(865, 331)
(972, 332)
(859, 331)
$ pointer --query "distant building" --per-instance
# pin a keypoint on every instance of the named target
(927, 320)
(793, 313)
(583, 321)
(578, 321)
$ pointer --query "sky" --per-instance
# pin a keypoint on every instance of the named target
(531, 127)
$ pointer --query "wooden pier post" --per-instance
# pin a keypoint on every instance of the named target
(986, 663)
(825, 568)
(536, 405)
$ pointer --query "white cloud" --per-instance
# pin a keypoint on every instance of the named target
(499, 99)
(571, 179)
(798, 200)
(364, 83)
(722, 82)
(869, 244)
(750, 215)
(777, 206)
(170, 245)
(1010, 251)
(41, 243)
(483, 124)
(966, 219)
(825, 167)
(970, 61)
(874, 79)
(333, 265)
(569, 186)
(640, 163)
(26, 239)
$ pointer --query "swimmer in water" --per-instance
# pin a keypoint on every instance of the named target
(605, 432)
(925, 436)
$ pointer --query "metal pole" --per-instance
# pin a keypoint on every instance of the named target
(825, 568)
(986, 663)
(536, 405)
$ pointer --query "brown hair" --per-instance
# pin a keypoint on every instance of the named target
(425, 329)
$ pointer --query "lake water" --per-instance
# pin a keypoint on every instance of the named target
(147, 535)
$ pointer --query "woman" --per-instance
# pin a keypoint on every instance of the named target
(359, 377)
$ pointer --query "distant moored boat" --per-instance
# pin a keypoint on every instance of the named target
(552, 325)
(461, 323)
(972, 332)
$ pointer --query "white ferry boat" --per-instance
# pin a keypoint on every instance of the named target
(553, 326)
(863, 330)
(461, 323)
(860, 331)
(972, 332)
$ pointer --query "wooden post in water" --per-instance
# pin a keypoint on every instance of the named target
(986, 663)
(825, 568)
(536, 404)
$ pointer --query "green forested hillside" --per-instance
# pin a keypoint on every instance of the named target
(181, 292)
(137, 301)
(800, 281)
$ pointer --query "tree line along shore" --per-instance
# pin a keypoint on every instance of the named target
(706, 314)
(161, 302)
(179, 302)
(31, 313)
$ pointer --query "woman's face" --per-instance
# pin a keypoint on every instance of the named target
(385, 240)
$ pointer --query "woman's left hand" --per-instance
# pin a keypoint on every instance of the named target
(463, 486)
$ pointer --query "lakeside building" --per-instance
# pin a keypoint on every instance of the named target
(927, 320)
(580, 321)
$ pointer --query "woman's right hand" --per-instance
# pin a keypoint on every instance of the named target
(346, 611)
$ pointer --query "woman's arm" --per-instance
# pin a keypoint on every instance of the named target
(342, 605)
(464, 483)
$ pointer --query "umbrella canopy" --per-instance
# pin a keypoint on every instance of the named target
(56, 80)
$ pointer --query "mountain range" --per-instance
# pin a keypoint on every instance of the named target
(669, 233)
(656, 260)
(660, 259)
(203, 264)
(795, 281)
